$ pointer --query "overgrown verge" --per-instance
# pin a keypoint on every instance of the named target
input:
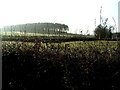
(60, 67)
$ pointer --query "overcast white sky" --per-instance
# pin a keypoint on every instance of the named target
(77, 14)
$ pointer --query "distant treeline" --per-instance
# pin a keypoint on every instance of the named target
(37, 28)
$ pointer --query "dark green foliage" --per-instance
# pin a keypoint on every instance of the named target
(102, 31)
(60, 68)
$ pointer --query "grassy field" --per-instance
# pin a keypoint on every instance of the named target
(35, 34)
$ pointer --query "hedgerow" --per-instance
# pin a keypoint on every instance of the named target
(61, 66)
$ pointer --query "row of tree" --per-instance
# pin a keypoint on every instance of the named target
(38, 28)
(102, 31)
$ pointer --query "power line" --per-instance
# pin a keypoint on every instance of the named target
(100, 14)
